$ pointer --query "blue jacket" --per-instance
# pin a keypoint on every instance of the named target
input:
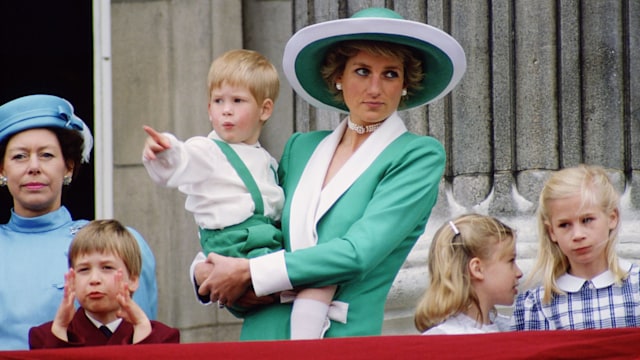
(33, 261)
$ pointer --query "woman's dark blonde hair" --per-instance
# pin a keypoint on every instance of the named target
(593, 185)
(336, 59)
(107, 237)
(450, 290)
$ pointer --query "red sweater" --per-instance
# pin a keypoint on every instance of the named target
(82, 332)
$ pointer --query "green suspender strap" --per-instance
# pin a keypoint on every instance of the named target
(244, 174)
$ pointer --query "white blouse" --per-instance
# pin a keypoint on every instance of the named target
(463, 324)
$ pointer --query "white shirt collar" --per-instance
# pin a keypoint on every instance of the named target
(213, 135)
(113, 326)
(570, 283)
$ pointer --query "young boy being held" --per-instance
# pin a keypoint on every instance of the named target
(105, 264)
(230, 180)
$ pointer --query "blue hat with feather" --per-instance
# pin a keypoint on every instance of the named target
(42, 111)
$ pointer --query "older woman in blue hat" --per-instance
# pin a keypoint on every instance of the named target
(42, 144)
(357, 197)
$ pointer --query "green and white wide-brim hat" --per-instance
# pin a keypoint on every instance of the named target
(443, 58)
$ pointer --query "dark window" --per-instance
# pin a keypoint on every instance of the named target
(46, 47)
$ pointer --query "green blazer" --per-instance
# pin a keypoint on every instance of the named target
(363, 239)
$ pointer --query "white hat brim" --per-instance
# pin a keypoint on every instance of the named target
(443, 58)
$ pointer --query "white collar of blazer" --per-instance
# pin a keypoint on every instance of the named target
(310, 201)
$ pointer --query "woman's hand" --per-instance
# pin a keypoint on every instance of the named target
(250, 299)
(228, 279)
(201, 272)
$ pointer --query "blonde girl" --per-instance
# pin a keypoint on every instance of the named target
(582, 283)
(472, 268)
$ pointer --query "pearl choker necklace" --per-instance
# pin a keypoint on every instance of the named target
(362, 129)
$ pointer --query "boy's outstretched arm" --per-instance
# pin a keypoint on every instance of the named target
(155, 143)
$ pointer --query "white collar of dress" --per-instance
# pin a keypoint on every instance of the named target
(570, 283)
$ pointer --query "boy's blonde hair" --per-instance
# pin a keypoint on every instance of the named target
(107, 236)
(245, 68)
(593, 185)
(450, 290)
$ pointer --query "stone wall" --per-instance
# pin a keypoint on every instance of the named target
(549, 84)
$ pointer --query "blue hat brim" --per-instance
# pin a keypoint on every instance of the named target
(42, 111)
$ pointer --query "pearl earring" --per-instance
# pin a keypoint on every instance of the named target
(404, 92)
(66, 180)
(3, 180)
(339, 86)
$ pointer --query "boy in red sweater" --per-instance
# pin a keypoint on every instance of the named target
(105, 265)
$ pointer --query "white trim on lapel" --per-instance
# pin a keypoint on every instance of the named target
(309, 202)
(302, 229)
(360, 161)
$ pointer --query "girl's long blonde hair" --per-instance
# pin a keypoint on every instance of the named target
(450, 291)
(595, 188)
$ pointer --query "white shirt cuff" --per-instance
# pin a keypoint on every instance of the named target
(269, 274)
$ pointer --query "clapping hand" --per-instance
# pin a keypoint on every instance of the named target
(129, 310)
(66, 310)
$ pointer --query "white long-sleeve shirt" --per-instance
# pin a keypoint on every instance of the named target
(216, 195)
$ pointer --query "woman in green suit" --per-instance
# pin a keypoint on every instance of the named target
(357, 197)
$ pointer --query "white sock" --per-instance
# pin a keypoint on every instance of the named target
(308, 319)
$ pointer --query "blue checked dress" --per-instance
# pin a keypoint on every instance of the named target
(588, 304)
